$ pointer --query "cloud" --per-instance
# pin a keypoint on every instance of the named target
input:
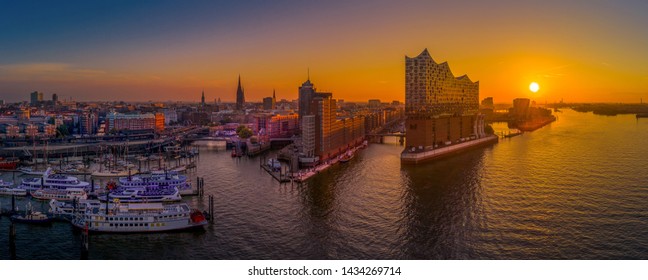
(553, 72)
(47, 72)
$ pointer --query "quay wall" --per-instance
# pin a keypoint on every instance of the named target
(428, 155)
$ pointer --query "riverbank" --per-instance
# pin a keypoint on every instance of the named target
(305, 174)
(535, 124)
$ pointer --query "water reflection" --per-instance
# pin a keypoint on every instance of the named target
(443, 208)
(574, 189)
(318, 197)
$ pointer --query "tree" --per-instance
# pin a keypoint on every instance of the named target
(489, 129)
(239, 128)
(62, 131)
(226, 120)
(244, 132)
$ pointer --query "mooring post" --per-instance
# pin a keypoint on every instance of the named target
(13, 204)
(85, 243)
(12, 241)
(211, 208)
(201, 186)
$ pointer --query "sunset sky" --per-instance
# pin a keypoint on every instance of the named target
(591, 51)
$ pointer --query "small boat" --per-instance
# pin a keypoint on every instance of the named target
(180, 168)
(6, 188)
(151, 193)
(274, 164)
(31, 217)
(30, 171)
(153, 157)
(172, 149)
(346, 157)
(141, 158)
(9, 163)
(113, 173)
(66, 210)
(61, 195)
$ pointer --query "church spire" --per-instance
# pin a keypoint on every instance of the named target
(202, 99)
(240, 95)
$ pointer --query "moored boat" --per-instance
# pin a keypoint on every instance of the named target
(181, 168)
(113, 173)
(274, 164)
(143, 194)
(172, 149)
(31, 217)
(346, 157)
(61, 195)
(158, 179)
(138, 217)
(66, 210)
(6, 188)
(30, 171)
(50, 180)
(9, 163)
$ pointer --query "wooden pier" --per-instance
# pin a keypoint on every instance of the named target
(281, 178)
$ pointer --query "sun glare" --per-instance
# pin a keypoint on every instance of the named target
(534, 87)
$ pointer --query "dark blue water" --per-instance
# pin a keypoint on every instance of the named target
(576, 189)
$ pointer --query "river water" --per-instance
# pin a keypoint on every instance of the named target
(575, 189)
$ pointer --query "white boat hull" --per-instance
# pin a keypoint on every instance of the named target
(138, 218)
(13, 191)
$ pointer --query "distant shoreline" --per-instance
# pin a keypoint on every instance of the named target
(605, 109)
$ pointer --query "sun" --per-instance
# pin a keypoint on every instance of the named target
(534, 87)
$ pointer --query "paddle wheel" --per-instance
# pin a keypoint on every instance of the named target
(197, 217)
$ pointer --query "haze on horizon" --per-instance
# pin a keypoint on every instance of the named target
(579, 51)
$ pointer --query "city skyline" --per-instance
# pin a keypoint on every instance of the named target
(170, 51)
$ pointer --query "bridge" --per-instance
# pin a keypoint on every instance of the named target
(395, 128)
(380, 137)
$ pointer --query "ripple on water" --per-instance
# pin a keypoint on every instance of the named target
(573, 190)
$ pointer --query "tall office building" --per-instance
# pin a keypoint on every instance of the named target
(54, 98)
(307, 93)
(520, 111)
(308, 136)
(36, 98)
(240, 96)
(89, 123)
(269, 103)
(324, 135)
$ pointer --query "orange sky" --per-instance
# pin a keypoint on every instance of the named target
(355, 50)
